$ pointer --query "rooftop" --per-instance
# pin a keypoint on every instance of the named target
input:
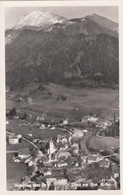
(92, 158)
(24, 151)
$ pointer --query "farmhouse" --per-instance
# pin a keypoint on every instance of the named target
(105, 163)
(65, 122)
(30, 100)
(42, 126)
(93, 120)
(63, 154)
(13, 140)
(62, 164)
(84, 159)
(24, 153)
(60, 182)
(92, 159)
(48, 172)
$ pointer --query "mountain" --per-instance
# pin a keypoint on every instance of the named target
(38, 19)
(104, 22)
(43, 47)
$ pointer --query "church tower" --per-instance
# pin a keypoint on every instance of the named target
(52, 149)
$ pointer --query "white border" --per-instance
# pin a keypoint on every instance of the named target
(4, 4)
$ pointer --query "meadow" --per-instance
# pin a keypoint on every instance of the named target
(15, 171)
(79, 102)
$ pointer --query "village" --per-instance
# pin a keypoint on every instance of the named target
(64, 161)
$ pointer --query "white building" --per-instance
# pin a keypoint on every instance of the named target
(47, 173)
(19, 136)
(24, 153)
(62, 164)
(60, 182)
(65, 122)
(42, 126)
(51, 150)
(93, 120)
(13, 140)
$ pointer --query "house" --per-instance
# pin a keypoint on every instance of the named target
(65, 122)
(116, 175)
(84, 159)
(24, 153)
(63, 154)
(64, 140)
(16, 117)
(30, 134)
(60, 182)
(13, 140)
(28, 159)
(63, 164)
(62, 147)
(30, 100)
(104, 163)
(75, 147)
(78, 133)
(93, 120)
(85, 131)
(16, 159)
(7, 122)
(47, 173)
(30, 163)
(42, 126)
(58, 138)
(19, 136)
(114, 167)
(92, 159)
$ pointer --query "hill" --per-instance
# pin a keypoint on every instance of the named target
(77, 52)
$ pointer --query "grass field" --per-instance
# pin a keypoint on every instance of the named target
(92, 142)
(83, 143)
(42, 133)
(22, 145)
(103, 101)
(94, 100)
(15, 171)
(103, 143)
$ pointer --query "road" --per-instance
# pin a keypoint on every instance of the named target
(12, 151)
(41, 154)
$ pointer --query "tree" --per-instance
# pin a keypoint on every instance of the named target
(52, 187)
(98, 77)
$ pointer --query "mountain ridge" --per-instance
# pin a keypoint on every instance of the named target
(38, 19)
(68, 53)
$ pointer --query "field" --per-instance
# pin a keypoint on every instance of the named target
(92, 143)
(22, 145)
(79, 102)
(36, 132)
(103, 143)
(15, 171)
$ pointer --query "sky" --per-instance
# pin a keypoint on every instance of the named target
(12, 14)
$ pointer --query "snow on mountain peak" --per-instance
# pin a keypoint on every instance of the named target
(39, 19)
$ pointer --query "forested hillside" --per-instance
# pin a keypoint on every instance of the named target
(81, 53)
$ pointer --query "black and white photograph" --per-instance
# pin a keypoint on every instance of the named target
(62, 98)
